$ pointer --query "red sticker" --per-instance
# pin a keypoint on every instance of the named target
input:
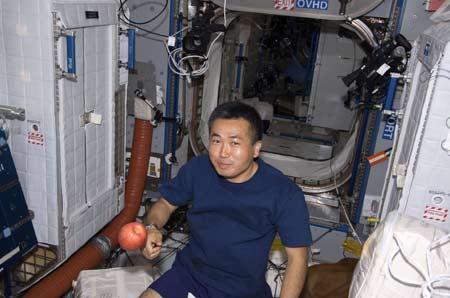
(35, 138)
(284, 4)
(433, 5)
(435, 213)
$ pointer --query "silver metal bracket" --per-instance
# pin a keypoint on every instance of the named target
(12, 113)
(123, 64)
(389, 112)
(399, 172)
(104, 244)
(407, 77)
(398, 113)
(90, 117)
(378, 107)
(59, 31)
(120, 183)
(62, 74)
(123, 31)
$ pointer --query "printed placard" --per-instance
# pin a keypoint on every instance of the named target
(284, 4)
(35, 137)
(435, 213)
(313, 4)
(389, 127)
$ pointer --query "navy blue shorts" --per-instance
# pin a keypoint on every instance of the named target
(178, 283)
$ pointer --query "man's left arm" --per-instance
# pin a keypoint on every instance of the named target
(295, 274)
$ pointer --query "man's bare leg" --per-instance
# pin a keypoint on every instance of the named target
(149, 293)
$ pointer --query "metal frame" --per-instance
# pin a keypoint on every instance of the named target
(171, 103)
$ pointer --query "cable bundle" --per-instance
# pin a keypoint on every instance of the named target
(431, 283)
(177, 61)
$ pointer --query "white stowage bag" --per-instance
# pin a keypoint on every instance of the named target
(403, 258)
(122, 282)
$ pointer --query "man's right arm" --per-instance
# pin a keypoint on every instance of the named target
(159, 213)
(157, 217)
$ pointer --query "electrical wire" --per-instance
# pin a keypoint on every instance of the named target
(168, 247)
(364, 28)
(172, 251)
(121, 9)
(429, 280)
(347, 218)
(321, 236)
(175, 57)
(128, 258)
(124, 19)
(225, 13)
(276, 283)
(181, 30)
(176, 60)
(142, 29)
(179, 241)
(168, 255)
(280, 269)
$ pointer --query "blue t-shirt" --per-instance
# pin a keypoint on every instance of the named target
(233, 225)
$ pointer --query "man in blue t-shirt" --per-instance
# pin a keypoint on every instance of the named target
(239, 203)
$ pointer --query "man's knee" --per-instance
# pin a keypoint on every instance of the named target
(149, 293)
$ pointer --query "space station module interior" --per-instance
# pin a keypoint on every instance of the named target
(102, 102)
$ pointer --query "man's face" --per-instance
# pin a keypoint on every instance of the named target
(231, 149)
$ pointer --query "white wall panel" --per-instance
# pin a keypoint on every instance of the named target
(26, 81)
(425, 192)
(67, 175)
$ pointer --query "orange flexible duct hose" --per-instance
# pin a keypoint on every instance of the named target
(137, 173)
(90, 255)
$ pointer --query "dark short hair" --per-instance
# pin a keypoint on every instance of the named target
(236, 110)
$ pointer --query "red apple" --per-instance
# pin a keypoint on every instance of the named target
(132, 236)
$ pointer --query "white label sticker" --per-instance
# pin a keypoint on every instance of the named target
(154, 167)
(383, 68)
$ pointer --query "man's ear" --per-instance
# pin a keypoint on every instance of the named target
(257, 148)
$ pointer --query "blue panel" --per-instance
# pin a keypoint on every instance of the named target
(167, 170)
(312, 4)
(400, 5)
(25, 237)
(358, 152)
(131, 48)
(237, 84)
(389, 127)
(13, 201)
(391, 94)
(17, 235)
(71, 63)
(8, 172)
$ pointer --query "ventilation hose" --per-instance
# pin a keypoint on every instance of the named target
(89, 256)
